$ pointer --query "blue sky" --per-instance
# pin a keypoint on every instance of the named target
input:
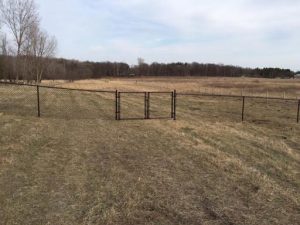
(238, 32)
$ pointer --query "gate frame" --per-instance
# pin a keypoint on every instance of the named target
(147, 106)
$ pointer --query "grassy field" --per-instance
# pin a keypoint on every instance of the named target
(77, 165)
(289, 88)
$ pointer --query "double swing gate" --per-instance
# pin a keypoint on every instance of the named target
(145, 105)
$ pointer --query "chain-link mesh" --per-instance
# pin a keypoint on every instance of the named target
(18, 100)
(69, 104)
(160, 105)
(270, 110)
(211, 108)
(132, 105)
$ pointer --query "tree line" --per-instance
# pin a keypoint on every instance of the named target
(63, 69)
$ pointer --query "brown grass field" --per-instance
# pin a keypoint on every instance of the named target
(288, 88)
(77, 165)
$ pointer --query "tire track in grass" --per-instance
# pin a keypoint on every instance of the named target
(236, 170)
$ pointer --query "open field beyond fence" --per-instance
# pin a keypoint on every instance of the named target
(77, 165)
(279, 88)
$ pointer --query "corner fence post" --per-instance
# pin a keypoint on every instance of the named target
(116, 106)
(298, 111)
(175, 105)
(243, 109)
(38, 100)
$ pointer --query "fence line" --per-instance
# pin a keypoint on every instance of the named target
(147, 95)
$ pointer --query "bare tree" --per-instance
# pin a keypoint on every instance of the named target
(2, 51)
(39, 48)
(19, 16)
(4, 46)
(6, 63)
(1, 44)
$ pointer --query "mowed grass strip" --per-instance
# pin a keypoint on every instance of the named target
(128, 172)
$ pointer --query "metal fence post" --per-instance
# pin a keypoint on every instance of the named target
(243, 109)
(172, 105)
(148, 105)
(38, 100)
(298, 111)
(116, 98)
(119, 106)
(175, 105)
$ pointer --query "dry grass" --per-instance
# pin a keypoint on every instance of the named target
(76, 165)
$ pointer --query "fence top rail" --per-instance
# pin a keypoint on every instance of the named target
(236, 96)
(133, 92)
(59, 88)
(142, 118)
(160, 92)
(145, 92)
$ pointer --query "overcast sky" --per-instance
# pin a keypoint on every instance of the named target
(238, 32)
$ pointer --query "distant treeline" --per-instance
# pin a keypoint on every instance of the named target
(76, 70)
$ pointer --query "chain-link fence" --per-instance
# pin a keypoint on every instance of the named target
(55, 102)
(238, 108)
(43, 101)
(211, 108)
(69, 103)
